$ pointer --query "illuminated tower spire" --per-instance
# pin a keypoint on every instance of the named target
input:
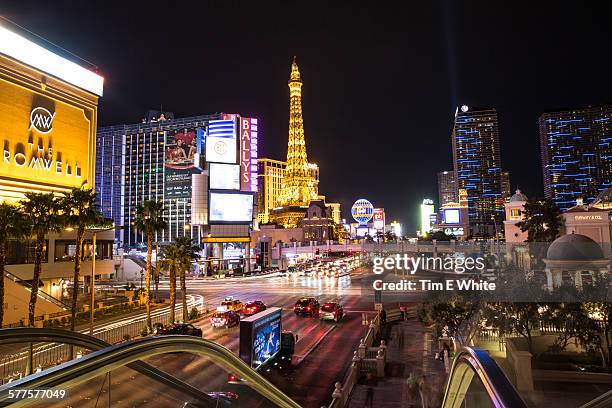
(299, 187)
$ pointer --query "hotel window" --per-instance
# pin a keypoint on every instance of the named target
(515, 213)
(23, 252)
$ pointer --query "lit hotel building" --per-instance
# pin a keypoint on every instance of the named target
(447, 187)
(270, 175)
(164, 158)
(477, 164)
(48, 115)
(576, 148)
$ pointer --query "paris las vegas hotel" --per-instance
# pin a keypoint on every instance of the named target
(48, 114)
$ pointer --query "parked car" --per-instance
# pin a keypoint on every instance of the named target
(232, 304)
(225, 318)
(331, 311)
(251, 308)
(186, 329)
(307, 306)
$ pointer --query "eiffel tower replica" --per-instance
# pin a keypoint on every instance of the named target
(298, 187)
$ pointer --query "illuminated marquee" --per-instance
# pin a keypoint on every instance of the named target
(48, 110)
(248, 154)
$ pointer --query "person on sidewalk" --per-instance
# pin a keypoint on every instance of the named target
(370, 382)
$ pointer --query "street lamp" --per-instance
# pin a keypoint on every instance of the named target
(105, 226)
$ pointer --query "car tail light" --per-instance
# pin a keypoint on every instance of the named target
(334, 312)
(308, 308)
(294, 308)
(231, 377)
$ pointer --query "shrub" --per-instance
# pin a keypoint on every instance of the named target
(126, 337)
(194, 313)
(145, 331)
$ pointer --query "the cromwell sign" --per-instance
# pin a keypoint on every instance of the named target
(37, 155)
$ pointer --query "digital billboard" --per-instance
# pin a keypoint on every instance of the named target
(379, 219)
(224, 176)
(180, 152)
(260, 336)
(452, 216)
(248, 154)
(221, 141)
(233, 250)
(456, 231)
(230, 207)
(427, 209)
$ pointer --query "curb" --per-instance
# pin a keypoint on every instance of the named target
(313, 347)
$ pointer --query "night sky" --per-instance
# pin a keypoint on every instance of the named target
(381, 83)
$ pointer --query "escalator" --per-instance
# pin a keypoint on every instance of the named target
(128, 374)
(476, 381)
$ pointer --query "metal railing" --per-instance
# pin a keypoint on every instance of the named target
(111, 358)
(470, 363)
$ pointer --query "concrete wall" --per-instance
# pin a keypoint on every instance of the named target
(17, 301)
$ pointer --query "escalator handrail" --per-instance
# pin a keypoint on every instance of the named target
(501, 392)
(36, 335)
(110, 358)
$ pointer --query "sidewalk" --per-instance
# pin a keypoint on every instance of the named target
(410, 349)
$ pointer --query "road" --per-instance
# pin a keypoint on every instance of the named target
(323, 351)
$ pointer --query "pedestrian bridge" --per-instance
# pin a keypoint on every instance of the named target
(475, 379)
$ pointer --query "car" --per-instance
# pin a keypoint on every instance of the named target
(224, 318)
(231, 304)
(186, 329)
(306, 306)
(331, 311)
(251, 308)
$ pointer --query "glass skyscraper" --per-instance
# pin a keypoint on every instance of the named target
(477, 165)
(576, 148)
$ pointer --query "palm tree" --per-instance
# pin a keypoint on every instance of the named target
(12, 225)
(42, 211)
(79, 211)
(189, 253)
(172, 262)
(149, 220)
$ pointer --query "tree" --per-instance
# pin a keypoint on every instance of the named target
(542, 220)
(12, 225)
(172, 262)
(149, 220)
(42, 210)
(79, 210)
(189, 253)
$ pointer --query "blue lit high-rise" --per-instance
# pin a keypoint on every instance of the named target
(576, 147)
(477, 164)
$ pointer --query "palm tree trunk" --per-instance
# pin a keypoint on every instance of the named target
(184, 293)
(75, 276)
(3, 252)
(148, 279)
(40, 239)
(172, 293)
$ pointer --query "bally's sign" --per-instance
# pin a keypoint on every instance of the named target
(33, 154)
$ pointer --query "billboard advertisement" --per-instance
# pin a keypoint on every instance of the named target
(221, 141)
(362, 211)
(248, 154)
(230, 207)
(456, 231)
(452, 216)
(427, 209)
(224, 176)
(260, 337)
(180, 154)
(233, 250)
(379, 219)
